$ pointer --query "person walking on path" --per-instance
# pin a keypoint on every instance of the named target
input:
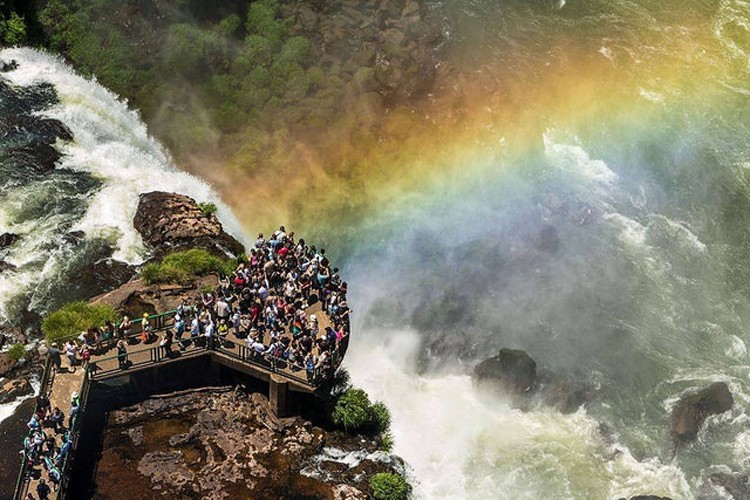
(43, 489)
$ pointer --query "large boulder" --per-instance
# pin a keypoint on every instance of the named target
(512, 371)
(14, 389)
(7, 239)
(169, 221)
(6, 364)
(693, 408)
(737, 485)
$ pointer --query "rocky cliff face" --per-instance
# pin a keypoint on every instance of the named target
(223, 443)
(169, 221)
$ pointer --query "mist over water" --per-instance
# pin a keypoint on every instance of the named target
(610, 244)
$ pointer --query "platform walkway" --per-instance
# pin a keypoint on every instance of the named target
(59, 386)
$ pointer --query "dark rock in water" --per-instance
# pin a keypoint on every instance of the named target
(692, 410)
(103, 276)
(563, 394)
(513, 370)
(549, 241)
(736, 485)
(74, 237)
(7, 239)
(515, 373)
(14, 389)
(11, 65)
(169, 221)
(6, 266)
(647, 497)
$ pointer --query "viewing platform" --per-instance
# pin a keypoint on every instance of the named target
(105, 366)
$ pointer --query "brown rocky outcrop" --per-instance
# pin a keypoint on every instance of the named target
(6, 364)
(222, 443)
(694, 408)
(13, 389)
(169, 221)
(513, 372)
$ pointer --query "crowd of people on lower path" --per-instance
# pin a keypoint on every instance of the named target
(41, 448)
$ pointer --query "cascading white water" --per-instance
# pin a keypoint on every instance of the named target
(111, 145)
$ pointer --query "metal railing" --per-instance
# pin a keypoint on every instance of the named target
(158, 354)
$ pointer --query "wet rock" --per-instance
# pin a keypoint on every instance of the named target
(6, 364)
(693, 408)
(6, 66)
(648, 497)
(736, 485)
(514, 372)
(169, 221)
(6, 266)
(14, 389)
(8, 239)
(549, 240)
(74, 237)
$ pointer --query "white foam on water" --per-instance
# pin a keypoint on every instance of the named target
(632, 232)
(111, 142)
(8, 409)
(572, 158)
(462, 445)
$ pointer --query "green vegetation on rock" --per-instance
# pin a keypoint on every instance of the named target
(354, 412)
(17, 352)
(389, 486)
(75, 317)
(184, 266)
(208, 209)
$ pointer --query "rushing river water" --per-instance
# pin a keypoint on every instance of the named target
(603, 229)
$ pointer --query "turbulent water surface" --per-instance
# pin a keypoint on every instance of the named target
(603, 229)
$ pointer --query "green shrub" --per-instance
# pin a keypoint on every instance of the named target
(389, 486)
(386, 442)
(17, 352)
(12, 29)
(208, 209)
(75, 317)
(182, 267)
(382, 417)
(354, 412)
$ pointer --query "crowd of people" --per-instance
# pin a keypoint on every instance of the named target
(263, 302)
(41, 448)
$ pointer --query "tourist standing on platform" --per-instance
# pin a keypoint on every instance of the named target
(71, 350)
(55, 356)
(123, 330)
(122, 354)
